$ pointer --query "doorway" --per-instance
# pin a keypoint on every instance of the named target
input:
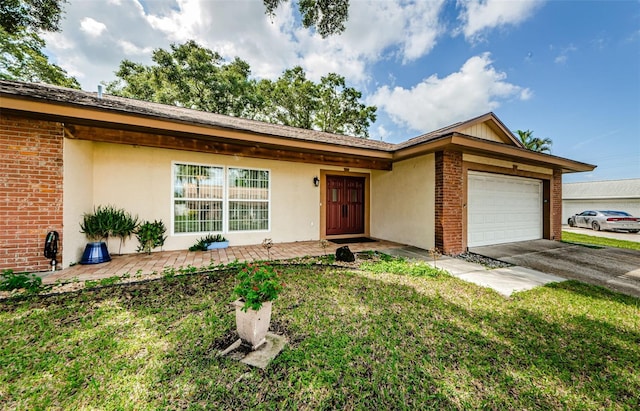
(345, 200)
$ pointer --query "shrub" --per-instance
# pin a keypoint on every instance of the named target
(151, 235)
(10, 281)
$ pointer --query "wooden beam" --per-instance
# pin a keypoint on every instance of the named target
(221, 146)
(107, 117)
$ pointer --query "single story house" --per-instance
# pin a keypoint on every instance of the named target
(623, 195)
(65, 151)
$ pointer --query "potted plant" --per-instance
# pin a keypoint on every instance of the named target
(97, 226)
(217, 241)
(125, 226)
(258, 285)
(210, 242)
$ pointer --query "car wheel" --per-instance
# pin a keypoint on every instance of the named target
(633, 231)
(572, 223)
(595, 226)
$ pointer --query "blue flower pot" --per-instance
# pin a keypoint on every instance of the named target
(95, 253)
(218, 244)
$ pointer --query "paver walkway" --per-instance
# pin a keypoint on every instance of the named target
(504, 280)
(147, 264)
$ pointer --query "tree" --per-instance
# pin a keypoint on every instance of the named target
(290, 100)
(329, 106)
(15, 15)
(327, 16)
(534, 143)
(190, 76)
(340, 111)
(21, 56)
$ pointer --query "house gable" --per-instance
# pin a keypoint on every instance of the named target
(487, 127)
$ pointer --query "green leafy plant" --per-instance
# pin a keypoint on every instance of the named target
(103, 282)
(203, 242)
(124, 227)
(99, 224)
(257, 283)
(108, 221)
(10, 281)
(150, 235)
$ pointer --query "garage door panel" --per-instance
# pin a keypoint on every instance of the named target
(502, 209)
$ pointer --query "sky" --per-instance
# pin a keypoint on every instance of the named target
(567, 70)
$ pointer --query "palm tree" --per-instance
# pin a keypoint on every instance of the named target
(541, 145)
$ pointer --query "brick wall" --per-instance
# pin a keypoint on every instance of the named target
(556, 205)
(449, 197)
(30, 190)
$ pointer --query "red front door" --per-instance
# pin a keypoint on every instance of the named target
(345, 205)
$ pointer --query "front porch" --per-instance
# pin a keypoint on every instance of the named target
(143, 264)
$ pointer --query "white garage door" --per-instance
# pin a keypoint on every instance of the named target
(502, 209)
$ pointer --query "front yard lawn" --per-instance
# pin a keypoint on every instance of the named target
(357, 340)
(576, 238)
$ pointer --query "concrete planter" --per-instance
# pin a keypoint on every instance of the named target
(252, 325)
(217, 245)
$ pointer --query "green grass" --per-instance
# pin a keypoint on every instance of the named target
(357, 340)
(600, 241)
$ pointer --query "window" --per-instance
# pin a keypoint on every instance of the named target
(197, 198)
(200, 204)
(248, 199)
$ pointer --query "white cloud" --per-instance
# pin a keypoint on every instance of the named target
(92, 27)
(376, 30)
(131, 49)
(179, 24)
(436, 102)
(479, 16)
(563, 57)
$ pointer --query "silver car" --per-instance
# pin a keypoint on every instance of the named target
(606, 220)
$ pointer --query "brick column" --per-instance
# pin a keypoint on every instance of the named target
(556, 205)
(449, 197)
(30, 190)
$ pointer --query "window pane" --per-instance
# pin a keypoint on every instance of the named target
(195, 186)
(248, 215)
(197, 216)
(247, 184)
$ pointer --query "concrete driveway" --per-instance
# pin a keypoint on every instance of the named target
(615, 268)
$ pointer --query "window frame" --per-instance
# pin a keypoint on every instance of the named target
(229, 200)
(225, 200)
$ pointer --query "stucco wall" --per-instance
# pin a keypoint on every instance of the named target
(78, 196)
(138, 179)
(402, 202)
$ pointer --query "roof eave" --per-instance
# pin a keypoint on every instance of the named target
(459, 142)
(111, 118)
